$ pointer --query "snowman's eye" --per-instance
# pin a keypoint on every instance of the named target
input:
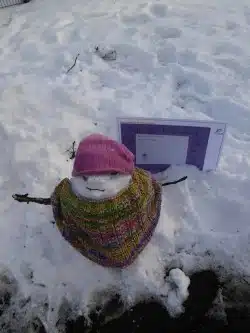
(114, 173)
(85, 178)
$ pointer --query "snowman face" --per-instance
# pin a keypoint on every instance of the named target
(99, 187)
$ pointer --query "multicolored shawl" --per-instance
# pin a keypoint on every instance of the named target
(111, 232)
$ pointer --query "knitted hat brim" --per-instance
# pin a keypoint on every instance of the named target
(101, 172)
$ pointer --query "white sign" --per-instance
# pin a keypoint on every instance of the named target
(158, 143)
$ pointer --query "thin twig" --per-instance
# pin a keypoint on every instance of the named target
(73, 64)
(175, 182)
(27, 199)
(72, 151)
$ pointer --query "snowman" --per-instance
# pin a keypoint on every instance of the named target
(110, 211)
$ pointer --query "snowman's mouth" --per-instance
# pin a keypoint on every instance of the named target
(95, 189)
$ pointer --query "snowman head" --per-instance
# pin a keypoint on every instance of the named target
(99, 187)
(102, 168)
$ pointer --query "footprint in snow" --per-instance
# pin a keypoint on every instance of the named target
(141, 18)
(167, 33)
(167, 54)
(158, 10)
(227, 48)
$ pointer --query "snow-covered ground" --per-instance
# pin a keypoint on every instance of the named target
(175, 59)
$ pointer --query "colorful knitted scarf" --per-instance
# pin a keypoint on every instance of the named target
(111, 232)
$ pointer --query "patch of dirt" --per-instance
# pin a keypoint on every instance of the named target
(151, 316)
(146, 316)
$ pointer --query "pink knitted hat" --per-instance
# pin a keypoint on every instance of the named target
(98, 154)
